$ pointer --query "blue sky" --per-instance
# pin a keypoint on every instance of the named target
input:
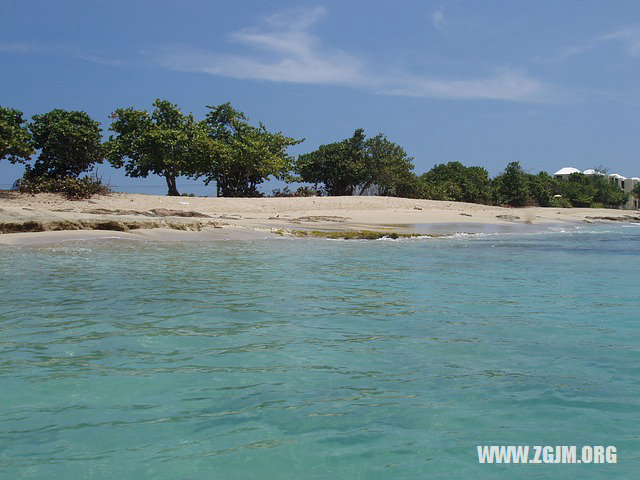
(546, 83)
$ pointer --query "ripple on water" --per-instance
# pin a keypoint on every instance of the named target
(317, 359)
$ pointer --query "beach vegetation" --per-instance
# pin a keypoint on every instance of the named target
(455, 182)
(247, 154)
(511, 187)
(591, 191)
(73, 188)
(166, 143)
(387, 168)
(358, 165)
(541, 189)
(560, 202)
(226, 148)
(69, 143)
(15, 138)
(339, 166)
(302, 191)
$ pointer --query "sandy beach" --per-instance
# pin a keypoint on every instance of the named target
(49, 217)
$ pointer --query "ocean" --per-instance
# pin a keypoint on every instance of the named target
(320, 359)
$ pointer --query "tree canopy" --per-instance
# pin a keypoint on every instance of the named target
(511, 187)
(166, 143)
(456, 182)
(226, 148)
(387, 167)
(70, 142)
(15, 138)
(591, 191)
(247, 156)
(357, 164)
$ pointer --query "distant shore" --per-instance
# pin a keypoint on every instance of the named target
(41, 218)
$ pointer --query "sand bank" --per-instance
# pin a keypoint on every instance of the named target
(137, 216)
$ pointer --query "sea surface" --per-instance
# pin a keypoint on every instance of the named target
(319, 359)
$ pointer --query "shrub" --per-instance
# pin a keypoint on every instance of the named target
(303, 191)
(71, 187)
(560, 202)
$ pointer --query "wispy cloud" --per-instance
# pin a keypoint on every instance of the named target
(438, 19)
(628, 36)
(509, 85)
(290, 53)
(87, 55)
(14, 47)
(286, 50)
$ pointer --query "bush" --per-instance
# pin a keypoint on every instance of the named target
(560, 202)
(300, 192)
(71, 187)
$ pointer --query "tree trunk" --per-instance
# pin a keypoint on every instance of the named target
(171, 185)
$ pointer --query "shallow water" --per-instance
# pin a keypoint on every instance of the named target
(319, 359)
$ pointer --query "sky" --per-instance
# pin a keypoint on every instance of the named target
(545, 83)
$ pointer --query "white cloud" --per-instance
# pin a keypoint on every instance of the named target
(287, 51)
(630, 36)
(293, 55)
(438, 19)
(504, 85)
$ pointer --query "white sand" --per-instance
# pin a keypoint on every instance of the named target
(239, 216)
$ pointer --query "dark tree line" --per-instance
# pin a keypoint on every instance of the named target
(226, 148)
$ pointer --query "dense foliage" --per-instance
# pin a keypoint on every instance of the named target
(15, 138)
(511, 187)
(358, 165)
(227, 149)
(73, 188)
(166, 143)
(591, 191)
(302, 191)
(247, 156)
(70, 143)
(453, 181)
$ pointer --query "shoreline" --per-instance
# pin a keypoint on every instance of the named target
(47, 218)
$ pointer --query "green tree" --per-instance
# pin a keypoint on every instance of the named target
(70, 142)
(340, 166)
(511, 187)
(591, 191)
(541, 188)
(15, 138)
(607, 194)
(636, 190)
(578, 189)
(387, 167)
(356, 164)
(249, 154)
(453, 181)
(166, 143)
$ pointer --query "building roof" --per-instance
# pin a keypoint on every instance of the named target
(617, 175)
(591, 171)
(567, 171)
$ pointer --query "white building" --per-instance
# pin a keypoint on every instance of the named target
(564, 173)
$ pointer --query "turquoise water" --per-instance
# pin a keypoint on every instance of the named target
(318, 359)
